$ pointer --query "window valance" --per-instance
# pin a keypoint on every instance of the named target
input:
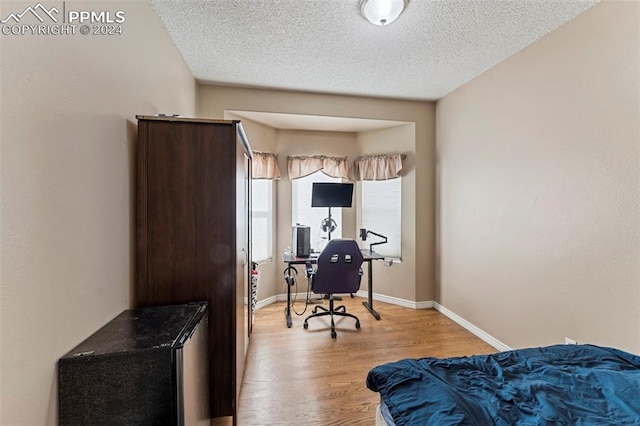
(301, 166)
(265, 166)
(377, 167)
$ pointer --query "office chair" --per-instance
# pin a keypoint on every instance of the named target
(337, 271)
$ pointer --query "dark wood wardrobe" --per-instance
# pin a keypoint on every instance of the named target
(193, 226)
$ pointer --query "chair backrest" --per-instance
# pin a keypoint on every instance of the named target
(338, 269)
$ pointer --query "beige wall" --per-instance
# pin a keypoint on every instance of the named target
(67, 139)
(539, 202)
(213, 101)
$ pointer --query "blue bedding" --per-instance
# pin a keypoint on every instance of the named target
(559, 385)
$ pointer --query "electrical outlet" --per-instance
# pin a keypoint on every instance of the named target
(568, 341)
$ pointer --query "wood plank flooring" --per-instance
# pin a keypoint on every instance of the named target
(295, 376)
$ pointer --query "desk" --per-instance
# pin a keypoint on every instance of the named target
(368, 255)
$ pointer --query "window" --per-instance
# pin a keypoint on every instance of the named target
(261, 219)
(304, 214)
(382, 214)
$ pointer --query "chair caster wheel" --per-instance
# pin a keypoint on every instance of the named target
(305, 325)
(357, 324)
(333, 334)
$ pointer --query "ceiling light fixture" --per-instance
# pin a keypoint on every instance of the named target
(382, 12)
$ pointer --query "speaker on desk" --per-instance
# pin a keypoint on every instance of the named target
(301, 244)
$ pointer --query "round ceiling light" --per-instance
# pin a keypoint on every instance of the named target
(382, 12)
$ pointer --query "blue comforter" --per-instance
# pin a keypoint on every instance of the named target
(559, 385)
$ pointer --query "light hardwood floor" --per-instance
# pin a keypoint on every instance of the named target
(295, 376)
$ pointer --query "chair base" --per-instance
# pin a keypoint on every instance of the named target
(337, 311)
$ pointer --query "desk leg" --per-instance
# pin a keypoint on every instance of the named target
(287, 310)
(369, 303)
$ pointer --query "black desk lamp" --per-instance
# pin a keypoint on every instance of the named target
(363, 236)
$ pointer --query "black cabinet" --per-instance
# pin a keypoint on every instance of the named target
(147, 366)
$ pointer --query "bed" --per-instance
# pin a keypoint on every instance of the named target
(560, 385)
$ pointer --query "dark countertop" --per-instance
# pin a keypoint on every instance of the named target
(140, 329)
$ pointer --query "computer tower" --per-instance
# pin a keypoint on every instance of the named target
(301, 244)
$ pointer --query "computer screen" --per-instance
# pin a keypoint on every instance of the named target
(331, 194)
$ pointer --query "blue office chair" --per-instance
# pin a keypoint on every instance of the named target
(337, 271)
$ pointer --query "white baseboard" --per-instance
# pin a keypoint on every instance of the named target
(268, 301)
(430, 304)
(396, 301)
(295, 296)
(472, 328)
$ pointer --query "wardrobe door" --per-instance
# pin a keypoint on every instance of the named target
(243, 239)
(218, 258)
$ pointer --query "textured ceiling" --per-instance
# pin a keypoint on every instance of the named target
(326, 46)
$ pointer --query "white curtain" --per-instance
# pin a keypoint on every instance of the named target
(377, 167)
(265, 166)
(301, 166)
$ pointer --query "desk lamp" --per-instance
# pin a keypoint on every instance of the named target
(363, 236)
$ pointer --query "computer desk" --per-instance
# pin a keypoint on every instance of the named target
(368, 255)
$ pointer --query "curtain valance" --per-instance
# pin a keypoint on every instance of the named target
(265, 166)
(377, 167)
(301, 166)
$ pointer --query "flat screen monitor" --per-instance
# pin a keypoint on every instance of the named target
(331, 194)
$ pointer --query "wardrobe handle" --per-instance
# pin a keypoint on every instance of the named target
(246, 257)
